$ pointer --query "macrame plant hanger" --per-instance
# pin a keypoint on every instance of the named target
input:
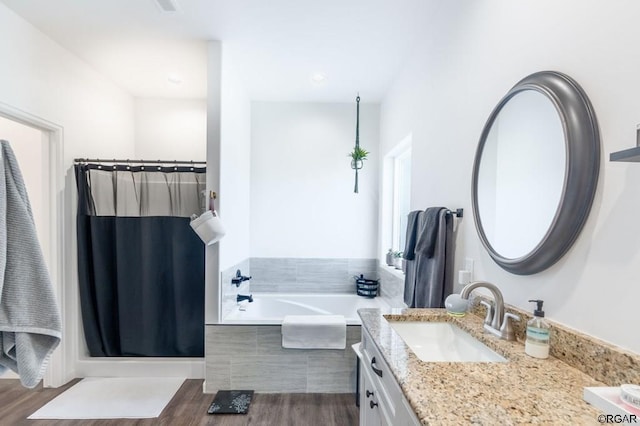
(356, 160)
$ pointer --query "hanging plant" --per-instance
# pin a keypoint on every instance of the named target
(358, 155)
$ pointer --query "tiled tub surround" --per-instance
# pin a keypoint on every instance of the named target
(523, 390)
(271, 308)
(293, 275)
(391, 285)
(252, 357)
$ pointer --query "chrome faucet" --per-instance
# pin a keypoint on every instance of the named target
(497, 321)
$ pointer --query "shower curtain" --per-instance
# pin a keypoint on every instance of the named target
(140, 265)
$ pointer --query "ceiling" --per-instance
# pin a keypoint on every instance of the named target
(275, 45)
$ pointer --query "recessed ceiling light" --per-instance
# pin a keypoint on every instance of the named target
(318, 77)
(174, 79)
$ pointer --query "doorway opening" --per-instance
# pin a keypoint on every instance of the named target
(30, 146)
(37, 145)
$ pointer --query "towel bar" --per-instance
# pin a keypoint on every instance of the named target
(457, 212)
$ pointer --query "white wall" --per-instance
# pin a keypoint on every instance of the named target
(171, 129)
(212, 259)
(235, 158)
(41, 78)
(471, 54)
(30, 148)
(302, 199)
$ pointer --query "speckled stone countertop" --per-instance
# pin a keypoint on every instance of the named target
(524, 390)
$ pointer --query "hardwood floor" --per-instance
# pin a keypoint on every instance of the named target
(189, 408)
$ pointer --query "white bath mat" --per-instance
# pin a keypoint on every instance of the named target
(112, 398)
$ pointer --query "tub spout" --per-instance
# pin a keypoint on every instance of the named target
(242, 297)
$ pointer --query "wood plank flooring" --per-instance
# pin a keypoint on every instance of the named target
(189, 408)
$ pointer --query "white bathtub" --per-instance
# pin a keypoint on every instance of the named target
(271, 308)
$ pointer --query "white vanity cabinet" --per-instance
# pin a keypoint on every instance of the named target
(381, 399)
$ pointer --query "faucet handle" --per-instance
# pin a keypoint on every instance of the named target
(506, 330)
(489, 317)
(512, 316)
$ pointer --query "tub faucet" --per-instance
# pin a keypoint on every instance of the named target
(241, 297)
(497, 321)
(239, 278)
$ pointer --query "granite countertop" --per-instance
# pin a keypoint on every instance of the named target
(524, 390)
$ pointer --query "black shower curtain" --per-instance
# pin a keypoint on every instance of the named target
(141, 274)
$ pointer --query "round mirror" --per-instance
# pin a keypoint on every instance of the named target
(535, 172)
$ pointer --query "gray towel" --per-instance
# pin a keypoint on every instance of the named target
(30, 326)
(412, 235)
(414, 223)
(427, 236)
(434, 275)
(429, 280)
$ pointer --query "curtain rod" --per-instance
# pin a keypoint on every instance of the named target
(97, 160)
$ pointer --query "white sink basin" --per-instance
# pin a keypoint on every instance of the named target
(443, 342)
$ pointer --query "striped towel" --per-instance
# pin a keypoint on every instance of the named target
(30, 325)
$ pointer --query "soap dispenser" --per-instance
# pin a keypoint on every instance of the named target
(538, 333)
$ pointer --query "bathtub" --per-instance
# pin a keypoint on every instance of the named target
(271, 308)
(244, 350)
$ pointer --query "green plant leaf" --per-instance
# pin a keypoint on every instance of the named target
(358, 154)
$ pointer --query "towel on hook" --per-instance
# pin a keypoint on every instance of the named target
(412, 235)
(314, 332)
(30, 325)
(429, 280)
(427, 236)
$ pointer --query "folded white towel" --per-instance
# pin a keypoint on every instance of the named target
(314, 332)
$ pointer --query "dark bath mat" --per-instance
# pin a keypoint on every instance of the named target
(231, 402)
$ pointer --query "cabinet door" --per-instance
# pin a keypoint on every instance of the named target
(372, 410)
(369, 415)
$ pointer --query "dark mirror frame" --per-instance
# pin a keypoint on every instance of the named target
(582, 143)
